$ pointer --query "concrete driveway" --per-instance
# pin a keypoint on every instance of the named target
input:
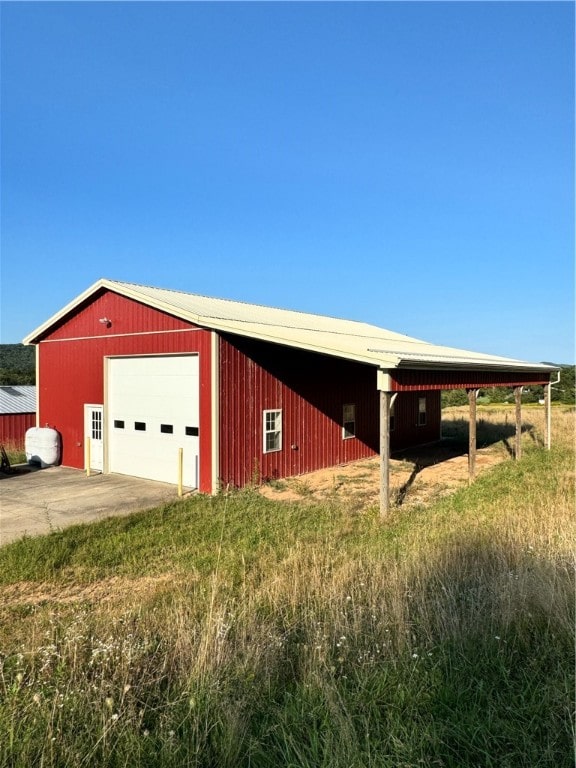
(37, 501)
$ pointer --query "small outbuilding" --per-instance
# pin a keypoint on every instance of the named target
(214, 393)
(17, 413)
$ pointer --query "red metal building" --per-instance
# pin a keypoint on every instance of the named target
(17, 414)
(154, 383)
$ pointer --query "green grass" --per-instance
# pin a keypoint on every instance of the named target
(237, 631)
(189, 536)
(16, 454)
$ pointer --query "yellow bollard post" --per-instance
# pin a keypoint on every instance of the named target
(180, 470)
(88, 457)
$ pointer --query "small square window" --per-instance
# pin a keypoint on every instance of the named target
(348, 421)
(421, 411)
(272, 430)
(191, 431)
(118, 424)
(140, 426)
(166, 429)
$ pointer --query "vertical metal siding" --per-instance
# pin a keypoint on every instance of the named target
(406, 431)
(72, 371)
(13, 428)
(126, 316)
(310, 390)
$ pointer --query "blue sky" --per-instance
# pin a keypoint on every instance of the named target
(406, 164)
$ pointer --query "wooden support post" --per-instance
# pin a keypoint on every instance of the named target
(385, 398)
(518, 400)
(547, 416)
(472, 394)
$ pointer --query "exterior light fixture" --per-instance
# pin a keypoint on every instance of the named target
(105, 321)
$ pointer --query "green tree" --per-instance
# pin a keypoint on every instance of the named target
(17, 364)
(565, 390)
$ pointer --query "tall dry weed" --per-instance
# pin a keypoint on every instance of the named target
(434, 639)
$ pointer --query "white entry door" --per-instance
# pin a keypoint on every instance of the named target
(94, 436)
(153, 413)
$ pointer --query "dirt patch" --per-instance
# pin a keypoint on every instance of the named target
(416, 477)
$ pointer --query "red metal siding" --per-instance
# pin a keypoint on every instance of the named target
(125, 315)
(311, 390)
(407, 431)
(413, 380)
(71, 370)
(13, 428)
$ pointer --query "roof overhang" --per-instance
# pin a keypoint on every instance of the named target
(471, 366)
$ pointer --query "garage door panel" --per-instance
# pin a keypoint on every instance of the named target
(152, 400)
(159, 461)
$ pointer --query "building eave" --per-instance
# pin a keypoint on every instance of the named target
(512, 365)
(350, 340)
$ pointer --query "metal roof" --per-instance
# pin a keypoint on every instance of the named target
(318, 333)
(18, 398)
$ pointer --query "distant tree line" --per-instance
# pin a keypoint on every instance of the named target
(17, 364)
(563, 392)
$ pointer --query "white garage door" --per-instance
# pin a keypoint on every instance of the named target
(153, 411)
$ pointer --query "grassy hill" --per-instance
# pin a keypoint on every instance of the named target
(238, 631)
(17, 364)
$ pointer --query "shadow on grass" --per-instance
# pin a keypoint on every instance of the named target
(499, 621)
(480, 678)
(459, 661)
(487, 432)
(454, 443)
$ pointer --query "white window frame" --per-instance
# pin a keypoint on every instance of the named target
(348, 417)
(274, 429)
(422, 417)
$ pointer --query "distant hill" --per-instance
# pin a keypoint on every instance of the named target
(17, 364)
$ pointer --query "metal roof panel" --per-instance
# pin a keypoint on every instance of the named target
(18, 398)
(349, 339)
